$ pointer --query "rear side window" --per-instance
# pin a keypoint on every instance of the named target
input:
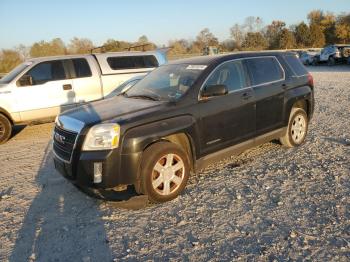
(295, 64)
(264, 70)
(81, 67)
(231, 74)
(47, 71)
(132, 62)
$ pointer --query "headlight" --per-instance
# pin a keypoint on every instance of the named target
(102, 137)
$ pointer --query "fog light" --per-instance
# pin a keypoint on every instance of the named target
(97, 173)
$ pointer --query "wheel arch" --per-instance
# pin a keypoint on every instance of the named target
(184, 141)
(303, 100)
(7, 114)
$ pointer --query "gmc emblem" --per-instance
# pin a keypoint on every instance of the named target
(59, 138)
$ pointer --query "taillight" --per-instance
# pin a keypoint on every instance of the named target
(310, 80)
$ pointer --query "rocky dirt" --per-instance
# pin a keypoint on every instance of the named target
(268, 204)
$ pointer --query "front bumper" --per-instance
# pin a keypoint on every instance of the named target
(117, 169)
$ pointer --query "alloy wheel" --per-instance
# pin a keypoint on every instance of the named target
(168, 174)
(298, 128)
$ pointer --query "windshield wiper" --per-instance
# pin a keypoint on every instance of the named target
(143, 97)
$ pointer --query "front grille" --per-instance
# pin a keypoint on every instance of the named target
(64, 142)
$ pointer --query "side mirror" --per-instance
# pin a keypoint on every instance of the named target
(214, 90)
(25, 80)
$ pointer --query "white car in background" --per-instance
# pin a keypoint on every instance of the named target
(307, 58)
(41, 88)
(333, 54)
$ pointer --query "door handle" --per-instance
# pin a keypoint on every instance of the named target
(247, 95)
(67, 87)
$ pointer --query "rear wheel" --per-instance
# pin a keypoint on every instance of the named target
(297, 128)
(164, 172)
(5, 129)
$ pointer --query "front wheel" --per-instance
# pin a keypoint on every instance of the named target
(164, 172)
(297, 128)
(5, 129)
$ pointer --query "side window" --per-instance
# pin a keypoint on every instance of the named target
(295, 64)
(81, 67)
(230, 74)
(47, 71)
(132, 62)
(264, 70)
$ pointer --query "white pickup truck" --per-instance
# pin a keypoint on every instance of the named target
(41, 88)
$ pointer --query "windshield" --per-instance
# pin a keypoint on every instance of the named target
(123, 87)
(14, 73)
(166, 83)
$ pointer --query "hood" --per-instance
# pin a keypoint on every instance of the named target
(116, 108)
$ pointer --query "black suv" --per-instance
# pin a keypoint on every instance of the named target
(182, 117)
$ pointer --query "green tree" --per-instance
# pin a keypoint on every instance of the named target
(326, 21)
(254, 41)
(273, 32)
(9, 59)
(286, 39)
(302, 35)
(342, 28)
(42, 48)
(315, 17)
(112, 45)
(80, 46)
(317, 38)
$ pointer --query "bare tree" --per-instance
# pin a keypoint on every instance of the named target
(80, 46)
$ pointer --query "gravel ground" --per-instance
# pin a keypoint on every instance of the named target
(268, 204)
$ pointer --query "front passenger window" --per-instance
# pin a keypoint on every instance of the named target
(231, 74)
(47, 71)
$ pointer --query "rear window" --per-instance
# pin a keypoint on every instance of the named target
(264, 70)
(81, 67)
(295, 64)
(132, 62)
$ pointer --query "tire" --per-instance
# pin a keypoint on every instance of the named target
(5, 129)
(159, 181)
(331, 61)
(346, 52)
(297, 128)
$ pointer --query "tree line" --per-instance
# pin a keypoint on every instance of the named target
(321, 28)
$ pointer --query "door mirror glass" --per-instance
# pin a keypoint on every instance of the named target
(25, 80)
(214, 90)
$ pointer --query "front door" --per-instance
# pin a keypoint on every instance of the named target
(229, 119)
(44, 91)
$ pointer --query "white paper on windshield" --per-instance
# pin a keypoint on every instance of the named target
(196, 67)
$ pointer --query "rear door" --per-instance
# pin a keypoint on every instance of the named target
(49, 93)
(229, 119)
(268, 82)
(85, 79)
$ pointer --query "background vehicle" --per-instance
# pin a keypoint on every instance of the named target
(183, 116)
(333, 54)
(307, 58)
(41, 88)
